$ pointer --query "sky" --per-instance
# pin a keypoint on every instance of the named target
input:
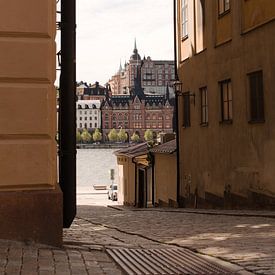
(106, 30)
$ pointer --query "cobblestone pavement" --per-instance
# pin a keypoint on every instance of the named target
(244, 240)
(18, 258)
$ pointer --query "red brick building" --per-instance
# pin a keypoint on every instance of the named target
(137, 111)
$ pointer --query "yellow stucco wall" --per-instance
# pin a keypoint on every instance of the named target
(256, 13)
(240, 155)
(223, 28)
(165, 177)
(27, 106)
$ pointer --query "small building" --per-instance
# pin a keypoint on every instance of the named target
(88, 114)
(135, 176)
(165, 173)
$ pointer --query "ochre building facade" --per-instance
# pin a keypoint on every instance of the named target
(30, 199)
(226, 113)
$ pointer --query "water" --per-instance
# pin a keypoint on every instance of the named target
(93, 167)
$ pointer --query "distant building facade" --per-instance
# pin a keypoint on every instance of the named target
(94, 91)
(137, 111)
(226, 108)
(88, 114)
(155, 75)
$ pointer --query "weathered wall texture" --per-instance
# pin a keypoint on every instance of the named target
(28, 118)
(165, 178)
(126, 184)
(230, 165)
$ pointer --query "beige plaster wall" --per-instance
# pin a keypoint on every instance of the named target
(28, 123)
(165, 177)
(256, 13)
(27, 106)
(126, 187)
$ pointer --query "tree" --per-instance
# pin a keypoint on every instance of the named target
(135, 137)
(122, 135)
(112, 136)
(78, 137)
(86, 136)
(97, 136)
(148, 135)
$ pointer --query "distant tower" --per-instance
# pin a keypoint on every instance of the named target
(134, 62)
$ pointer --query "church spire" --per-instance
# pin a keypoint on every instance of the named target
(120, 67)
(135, 45)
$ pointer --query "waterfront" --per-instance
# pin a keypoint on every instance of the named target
(93, 167)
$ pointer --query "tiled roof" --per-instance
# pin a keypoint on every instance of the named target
(134, 150)
(165, 148)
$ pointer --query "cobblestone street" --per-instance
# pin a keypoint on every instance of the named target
(237, 237)
(245, 239)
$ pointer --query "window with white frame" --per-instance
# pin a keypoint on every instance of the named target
(184, 18)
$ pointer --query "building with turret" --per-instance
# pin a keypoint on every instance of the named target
(155, 75)
(137, 111)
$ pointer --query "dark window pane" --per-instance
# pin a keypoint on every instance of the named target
(256, 96)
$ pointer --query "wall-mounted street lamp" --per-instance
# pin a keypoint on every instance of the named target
(59, 59)
(178, 87)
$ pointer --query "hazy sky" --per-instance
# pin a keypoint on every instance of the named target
(106, 30)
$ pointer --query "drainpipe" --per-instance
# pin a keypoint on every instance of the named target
(67, 127)
(176, 103)
(135, 182)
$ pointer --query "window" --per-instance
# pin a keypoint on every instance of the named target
(224, 6)
(256, 97)
(95, 125)
(184, 18)
(204, 106)
(80, 125)
(80, 118)
(91, 125)
(226, 100)
(186, 110)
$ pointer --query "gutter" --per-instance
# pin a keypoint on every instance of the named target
(176, 103)
(67, 113)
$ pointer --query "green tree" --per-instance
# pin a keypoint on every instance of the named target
(135, 137)
(148, 135)
(112, 136)
(86, 136)
(78, 137)
(97, 136)
(122, 135)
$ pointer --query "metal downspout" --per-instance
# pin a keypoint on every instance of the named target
(67, 127)
(176, 103)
